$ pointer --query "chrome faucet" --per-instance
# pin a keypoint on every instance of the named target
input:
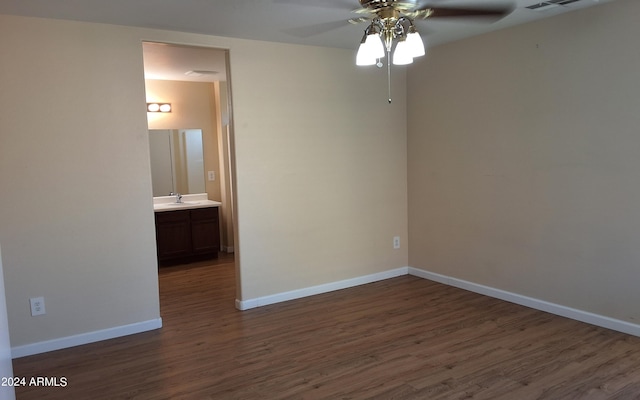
(178, 198)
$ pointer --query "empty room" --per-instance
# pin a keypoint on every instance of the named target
(372, 223)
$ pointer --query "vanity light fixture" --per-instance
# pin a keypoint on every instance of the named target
(159, 107)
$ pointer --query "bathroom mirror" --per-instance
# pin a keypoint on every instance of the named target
(177, 161)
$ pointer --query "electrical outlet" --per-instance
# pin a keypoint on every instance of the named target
(396, 242)
(211, 175)
(37, 306)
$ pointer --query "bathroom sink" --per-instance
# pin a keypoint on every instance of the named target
(176, 205)
(183, 204)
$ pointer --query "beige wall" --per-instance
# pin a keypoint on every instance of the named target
(320, 157)
(523, 160)
(194, 107)
(321, 167)
(76, 222)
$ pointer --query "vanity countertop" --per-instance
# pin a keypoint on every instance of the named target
(189, 201)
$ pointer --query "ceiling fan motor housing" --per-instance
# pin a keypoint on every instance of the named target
(377, 4)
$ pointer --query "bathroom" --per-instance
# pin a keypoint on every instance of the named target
(193, 81)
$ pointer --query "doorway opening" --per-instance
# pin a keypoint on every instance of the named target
(195, 81)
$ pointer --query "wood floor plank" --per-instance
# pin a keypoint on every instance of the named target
(403, 338)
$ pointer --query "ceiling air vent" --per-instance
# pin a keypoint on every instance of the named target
(200, 72)
(545, 5)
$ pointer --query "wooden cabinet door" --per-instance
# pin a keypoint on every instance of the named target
(173, 234)
(205, 234)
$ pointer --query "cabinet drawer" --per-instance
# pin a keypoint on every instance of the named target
(172, 216)
(204, 213)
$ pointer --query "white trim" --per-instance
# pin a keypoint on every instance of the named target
(557, 309)
(84, 338)
(313, 290)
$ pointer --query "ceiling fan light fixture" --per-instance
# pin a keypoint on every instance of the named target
(364, 57)
(402, 55)
(392, 23)
(374, 45)
(371, 47)
(415, 42)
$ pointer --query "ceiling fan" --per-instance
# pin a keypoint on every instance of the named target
(392, 22)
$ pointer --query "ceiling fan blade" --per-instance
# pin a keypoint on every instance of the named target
(358, 20)
(423, 28)
(312, 30)
(495, 12)
(335, 4)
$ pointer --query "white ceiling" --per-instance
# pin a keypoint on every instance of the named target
(310, 22)
(172, 62)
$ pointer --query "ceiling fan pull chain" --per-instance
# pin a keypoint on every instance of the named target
(389, 76)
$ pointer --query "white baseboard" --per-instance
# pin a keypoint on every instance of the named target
(84, 338)
(557, 309)
(568, 312)
(327, 287)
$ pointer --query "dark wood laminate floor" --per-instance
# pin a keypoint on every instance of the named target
(403, 338)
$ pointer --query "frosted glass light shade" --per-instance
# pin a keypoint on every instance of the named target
(402, 54)
(364, 57)
(375, 46)
(370, 50)
(416, 45)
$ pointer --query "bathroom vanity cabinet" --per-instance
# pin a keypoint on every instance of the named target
(187, 234)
